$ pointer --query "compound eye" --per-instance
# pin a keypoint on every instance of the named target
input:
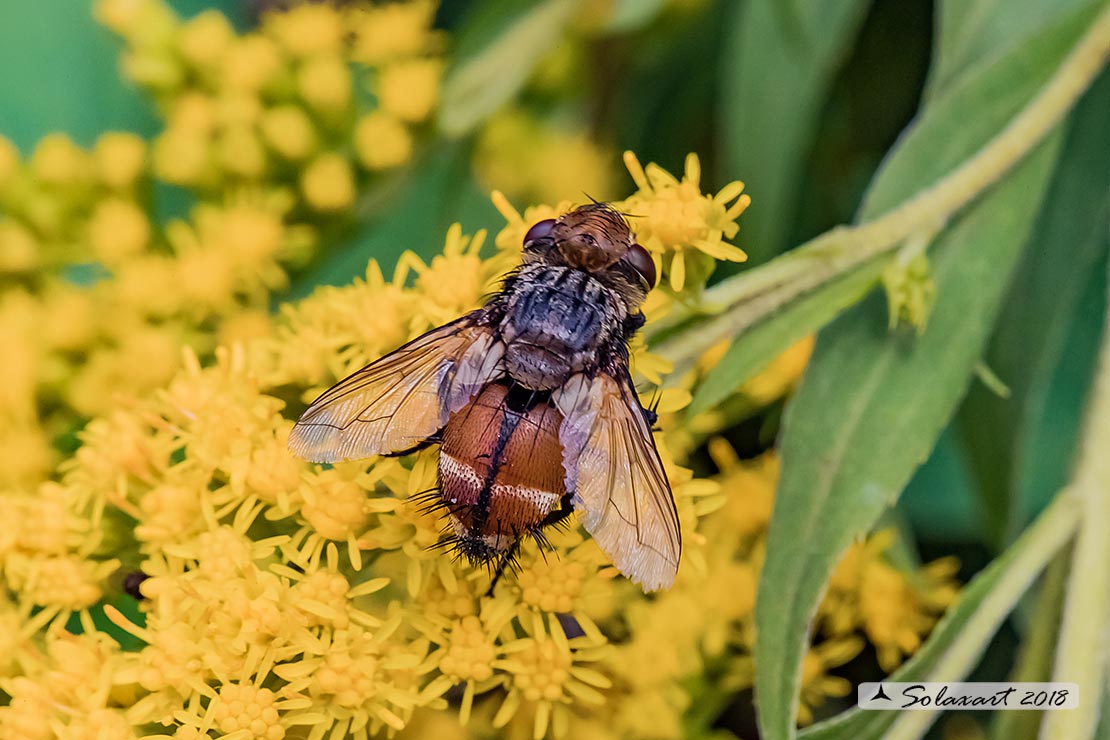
(640, 260)
(540, 230)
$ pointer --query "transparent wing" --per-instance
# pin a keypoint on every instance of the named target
(617, 478)
(401, 399)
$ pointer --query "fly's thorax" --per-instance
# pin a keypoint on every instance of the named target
(557, 322)
(501, 469)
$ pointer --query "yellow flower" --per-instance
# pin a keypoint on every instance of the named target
(336, 508)
(234, 109)
(27, 454)
(205, 38)
(548, 674)
(382, 142)
(552, 585)
(195, 112)
(118, 229)
(457, 279)
(895, 610)
(120, 159)
(672, 215)
(145, 21)
(155, 67)
(392, 31)
(897, 615)
(59, 585)
(781, 374)
(749, 487)
(58, 161)
(240, 151)
(247, 708)
(408, 89)
(307, 30)
(251, 63)
(21, 249)
(325, 83)
(817, 684)
(328, 183)
(181, 156)
(352, 678)
(289, 131)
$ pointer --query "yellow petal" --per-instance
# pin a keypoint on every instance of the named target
(636, 170)
(678, 271)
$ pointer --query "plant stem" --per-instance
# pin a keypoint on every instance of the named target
(1081, 654)
(744, 300)
(1034, 661)
(1035, 548)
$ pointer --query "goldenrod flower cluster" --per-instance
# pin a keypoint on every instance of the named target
(316, 101)
(288, 600)
(274, 133)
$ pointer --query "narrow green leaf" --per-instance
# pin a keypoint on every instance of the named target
(497, 49)
(971, 31)
(1034, 662)
(778, 62)
(630, 15)
(769, 338)
(970, 623)
(1103, 730)
(872, 403)
(1080, 651)
(1031, 341)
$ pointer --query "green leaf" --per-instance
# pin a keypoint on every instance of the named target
(872, 403)
(771, 337)
(961, 635)
(630, 15)
(778, 63)
(1030, 345)
(498, 47)
(971, 31)
(971, 112)
(61, 74)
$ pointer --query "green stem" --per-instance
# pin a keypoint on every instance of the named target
(1034, 662)
(1044, 538)
(744, 300)
(1081, 654)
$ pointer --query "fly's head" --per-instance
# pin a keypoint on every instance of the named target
(595, 239)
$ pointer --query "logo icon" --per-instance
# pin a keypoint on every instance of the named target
(880, 694)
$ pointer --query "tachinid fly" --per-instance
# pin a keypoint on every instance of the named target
(531, 400)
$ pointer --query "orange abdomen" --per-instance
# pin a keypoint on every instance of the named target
(501, 469)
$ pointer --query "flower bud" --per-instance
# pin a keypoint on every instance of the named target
(328, 183)
(288, 130)
(382, 142)
(119, 158)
